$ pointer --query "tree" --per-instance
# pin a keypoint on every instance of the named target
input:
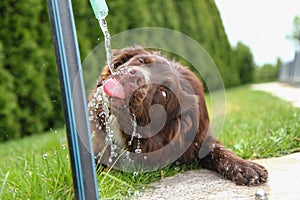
(296, 31)
(243, 60)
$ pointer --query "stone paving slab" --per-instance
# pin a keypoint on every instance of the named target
(284, 173)
(283, 183)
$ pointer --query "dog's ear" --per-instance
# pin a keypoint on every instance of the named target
(193, 87)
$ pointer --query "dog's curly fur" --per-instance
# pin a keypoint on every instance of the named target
(181, 93)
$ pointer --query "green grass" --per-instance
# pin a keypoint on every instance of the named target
(257, 125)
(36, 167)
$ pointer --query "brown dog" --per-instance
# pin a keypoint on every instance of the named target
(156, 112)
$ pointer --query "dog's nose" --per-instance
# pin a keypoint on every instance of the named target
(136, 76)
(132, 72)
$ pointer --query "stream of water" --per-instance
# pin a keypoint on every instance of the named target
(100, 99)
(108, 51)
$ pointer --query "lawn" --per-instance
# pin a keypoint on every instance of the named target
(257, 125)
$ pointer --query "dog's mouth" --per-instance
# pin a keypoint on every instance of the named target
(114, 88)
(127, 89)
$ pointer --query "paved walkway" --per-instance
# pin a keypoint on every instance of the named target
(283, 183)
(282, 90)
(284, 172)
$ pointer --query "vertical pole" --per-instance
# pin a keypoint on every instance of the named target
(74, 98)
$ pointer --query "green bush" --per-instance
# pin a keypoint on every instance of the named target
(266, 73)
(9, 126)
(28, 66)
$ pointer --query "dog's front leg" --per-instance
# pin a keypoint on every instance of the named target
(232, 167)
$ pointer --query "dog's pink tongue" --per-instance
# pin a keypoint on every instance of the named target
(113, 88)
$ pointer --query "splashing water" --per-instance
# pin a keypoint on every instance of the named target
(109, 58)
(135, 134)
(134, 125)
(138, 147)
(108, 130)
(101, 99)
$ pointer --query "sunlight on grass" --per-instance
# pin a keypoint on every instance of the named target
(36, 167)
(257, 125)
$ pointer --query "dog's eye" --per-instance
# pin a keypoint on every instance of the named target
(163, 93)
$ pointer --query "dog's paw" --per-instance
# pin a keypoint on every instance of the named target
(244, 172)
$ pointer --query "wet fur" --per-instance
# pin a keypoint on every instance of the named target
(196, 118)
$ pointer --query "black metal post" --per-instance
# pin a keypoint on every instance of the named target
(74, 99)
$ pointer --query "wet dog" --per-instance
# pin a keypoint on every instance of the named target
(156, 108)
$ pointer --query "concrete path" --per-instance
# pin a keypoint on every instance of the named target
(283, 183)
(284, 172)
(282, 90)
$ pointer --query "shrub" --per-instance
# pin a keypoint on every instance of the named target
(9, 126)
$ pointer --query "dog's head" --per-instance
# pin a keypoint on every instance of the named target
(149, 87)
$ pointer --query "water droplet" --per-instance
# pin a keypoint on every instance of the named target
(127, 154)
(138, 151)
(110, 160)
(135, 174)
(45, 156)
(134, 122)
(93, 135)
(129, 192)
(55, 152)
(261, 194)
(114, 146)
(145, 157)
(136, 193)
(63, 147)
(113, 154)
(91, 118)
